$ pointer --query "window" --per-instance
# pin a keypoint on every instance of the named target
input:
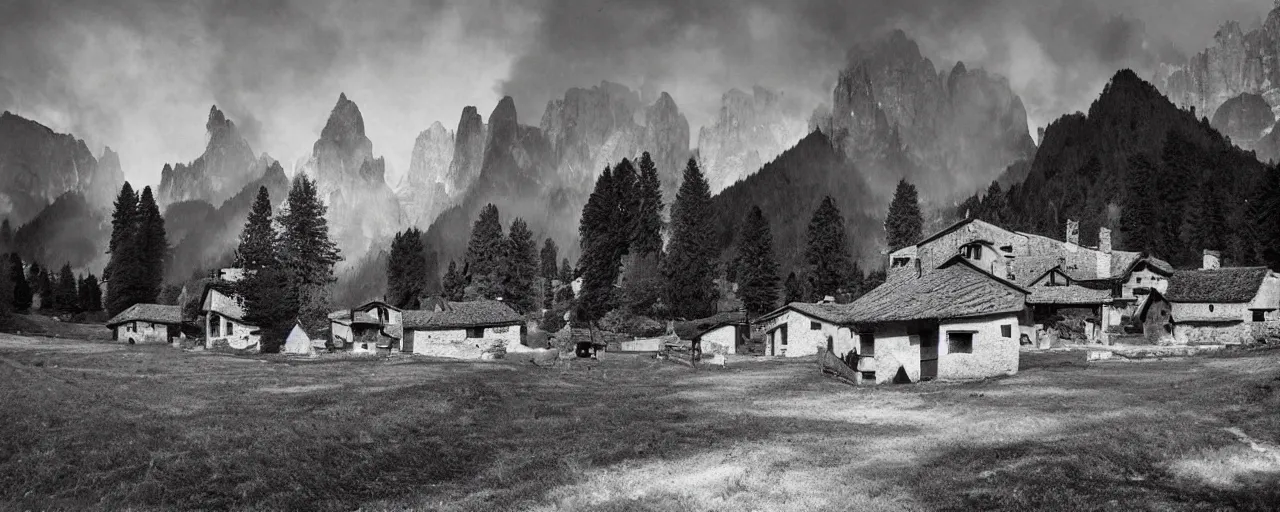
(814, 326)
(1139, 280)
(1006, 331)
(960, 342)
(215, 326)
(867, 344)
(231, 329)
(1211, 308)
(901, 262)
(972, 251)
(1259, 315)
(475, 332)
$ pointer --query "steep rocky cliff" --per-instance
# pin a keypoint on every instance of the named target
(468, 153)
(751, 129)
(38, 166)
(226, 165)
(422, 191)
(1245, 119)
(362, 208)
(897, 116)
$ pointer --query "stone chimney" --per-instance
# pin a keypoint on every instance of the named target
(1104, 240)
(1103, 269)
(1073, 232)
(1212, 260)
(828, 300)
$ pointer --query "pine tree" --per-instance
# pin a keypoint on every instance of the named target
(271, 303)
(1203, 224)
(21, 288)
(548, 259)
(44, 283)
(757, 275)
(257, 248)
(566, 271)
(994, 205)
(307, 255)
(625, 207)
(1265, 210)
(123, 226)
(647, 235)
(68, 297)
(598, 237)
(826, 251)
(690, 266)
(6, 236)
(1137, 217)
(152, 247)
(454, 283)
(485, 249)
(794, 289)
(643, 284)
(90, 295)
(520, 268)
(904, 223)
(407, 272)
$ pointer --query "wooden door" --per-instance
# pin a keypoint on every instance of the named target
(928, 355)
(406, 342)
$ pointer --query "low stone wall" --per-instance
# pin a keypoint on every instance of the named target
(1225, 333)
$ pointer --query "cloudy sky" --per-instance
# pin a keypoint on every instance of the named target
(140, 75)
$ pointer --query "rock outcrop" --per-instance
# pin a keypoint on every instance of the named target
(362, 208)
(1236, 62)
(751, 129)
(468, 152)
(226, 165)
(37, 166)
(1245, 119)
(422, 191)
(897, 116)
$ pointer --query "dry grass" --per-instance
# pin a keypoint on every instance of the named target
(98, 426)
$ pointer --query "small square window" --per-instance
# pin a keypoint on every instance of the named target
(814, 326)
(1006, 331)
(1259, 315)
(959, 342)
(1139, 280)
(867, 344)
(475, 332)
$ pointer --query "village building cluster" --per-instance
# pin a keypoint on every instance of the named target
(960, 304)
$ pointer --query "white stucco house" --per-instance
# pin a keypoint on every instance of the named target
(956, 322)
(370, 328)
(800, 329)
(224, 324)
(462, 330)
(146, 323)
(723, 338)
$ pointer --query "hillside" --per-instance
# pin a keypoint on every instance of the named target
(789, 189)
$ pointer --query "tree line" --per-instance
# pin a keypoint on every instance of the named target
(139, 251)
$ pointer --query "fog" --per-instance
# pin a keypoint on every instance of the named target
(140, 75)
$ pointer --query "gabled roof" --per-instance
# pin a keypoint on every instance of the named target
(1224, 285)
(954, 227)
(232, 309)
(460, 315)
(1069, 295)
(374, 304)
(691, 329)
(953, 291)
(827, 312)
(157, 313)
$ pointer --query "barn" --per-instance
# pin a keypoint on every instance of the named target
(146, 323)
(1223, 305)
(800, 329)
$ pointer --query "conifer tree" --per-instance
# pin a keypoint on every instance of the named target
(520, 268)
(485, 249)
(6, 236)
(904, 223)
(794, 289)
(257, 248)
(1137, 217)
(407, 272)
(647, 236)
(152, 247)
(44, 283)
(1265, 209)
(307, 257)
(21, 288)
(690, 267)
(548, 260)
(566, 271)
(122, 225)
(625, 206)
(826, 251)
(68, 297)
(994, 205)
(455, 283)
(90, 294)
(757, 275)
(598, 237)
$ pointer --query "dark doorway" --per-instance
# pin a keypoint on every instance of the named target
(928, 355)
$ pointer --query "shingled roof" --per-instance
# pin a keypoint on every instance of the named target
(957, 290)
(460, 315)
(1225, 285)
(1068, 295)
(157, 313)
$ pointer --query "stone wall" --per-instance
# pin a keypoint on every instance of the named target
(722, 340)
(802, 339)
(455, 344)
(1203, 333)
(231, 334)
(142, 332)
(993, 353)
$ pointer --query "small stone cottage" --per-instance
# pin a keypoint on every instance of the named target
(955, 322)
(799, 329)
(374, 327)
(1223, 305)
(462, 330)
(224, 324)
(722, 338)
(147, 323)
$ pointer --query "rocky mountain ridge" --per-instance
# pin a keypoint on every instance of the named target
(750, 130)
(38, 165)
(227, 164)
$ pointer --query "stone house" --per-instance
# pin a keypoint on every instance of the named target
(224, 325)
(1217, 305)
(147, 323)
(1154, 315)
(373, 327)
(722, 338)
(463, 330)
(953, 323)
(800, 329)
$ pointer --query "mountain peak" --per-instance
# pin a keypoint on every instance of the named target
(345, 121)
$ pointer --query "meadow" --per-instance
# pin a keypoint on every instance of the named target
(96, 425)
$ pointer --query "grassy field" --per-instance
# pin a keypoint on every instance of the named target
(87, 425)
